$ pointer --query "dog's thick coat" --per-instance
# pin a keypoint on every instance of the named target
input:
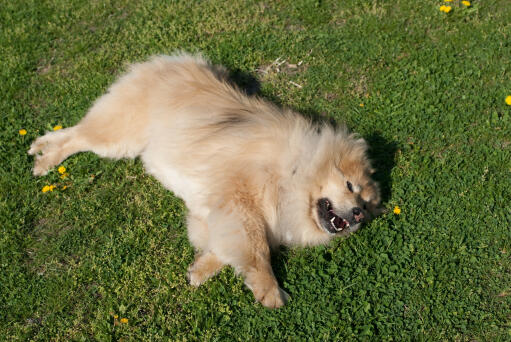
(253, 176)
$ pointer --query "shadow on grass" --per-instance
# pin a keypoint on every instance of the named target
(279, 259)
(381, 151)
(245, 81)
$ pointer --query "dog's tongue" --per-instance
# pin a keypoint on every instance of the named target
(337, 222)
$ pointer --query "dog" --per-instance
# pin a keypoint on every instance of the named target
(253, 175)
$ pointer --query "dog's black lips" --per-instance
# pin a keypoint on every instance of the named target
(329, 220)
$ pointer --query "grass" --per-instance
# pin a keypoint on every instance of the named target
(113, 243)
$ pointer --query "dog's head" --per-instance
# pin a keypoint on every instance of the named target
(344, 195)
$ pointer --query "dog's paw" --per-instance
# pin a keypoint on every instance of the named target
(41, 166)
(43, 163)
(50, 150)
(195, 277)
(38, 145)
(45, 150)
(204, 267)
(273, 298)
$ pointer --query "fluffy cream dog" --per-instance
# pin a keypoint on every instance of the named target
(253, 176)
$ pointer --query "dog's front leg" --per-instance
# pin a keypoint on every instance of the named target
(238, 237)
(260, 279)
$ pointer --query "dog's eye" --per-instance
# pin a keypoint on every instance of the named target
(350, 186)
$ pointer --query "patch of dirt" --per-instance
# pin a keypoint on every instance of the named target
(359, 86)
(331, 96)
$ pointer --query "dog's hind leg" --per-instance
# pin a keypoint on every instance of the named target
(115, 127)
(206, 263)
(204, 267)
(52, 148)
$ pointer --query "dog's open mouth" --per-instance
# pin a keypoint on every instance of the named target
(328, 219)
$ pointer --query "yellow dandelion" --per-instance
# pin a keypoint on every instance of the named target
(52, 187)
(448, 0)
(466, 3)
(397, 210)
(64, 175)
(22, 131)
(116, 316)
(62, 169)
(64, 187)
(445, 9)
(361, 105)
(56, 128)
(124, 320)
(46, 188)
(508, 100)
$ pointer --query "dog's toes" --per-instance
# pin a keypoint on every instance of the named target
(204, 267)
(36, 147)
(274, 298)
(195, 278)
(271, 297)
(43, 164)
(39, 171)
(49, 141)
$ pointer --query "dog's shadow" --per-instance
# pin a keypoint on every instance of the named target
(381, 152)
(245, 81)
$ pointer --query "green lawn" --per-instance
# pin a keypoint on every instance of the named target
(427, 89)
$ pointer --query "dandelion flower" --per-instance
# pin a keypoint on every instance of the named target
(47, 188)
(445, 9)
(508, 101)
(64, 188)
(466, 3)
(22, 131)
(361, 105)
(56, 128)
(62, 169)
(397, 210)
(64, 175)
(124, 320)
(116, 316)
(448, 0)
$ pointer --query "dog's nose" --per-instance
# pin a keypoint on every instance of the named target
(358, 215)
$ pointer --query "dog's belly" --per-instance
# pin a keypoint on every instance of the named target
(187, 188)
